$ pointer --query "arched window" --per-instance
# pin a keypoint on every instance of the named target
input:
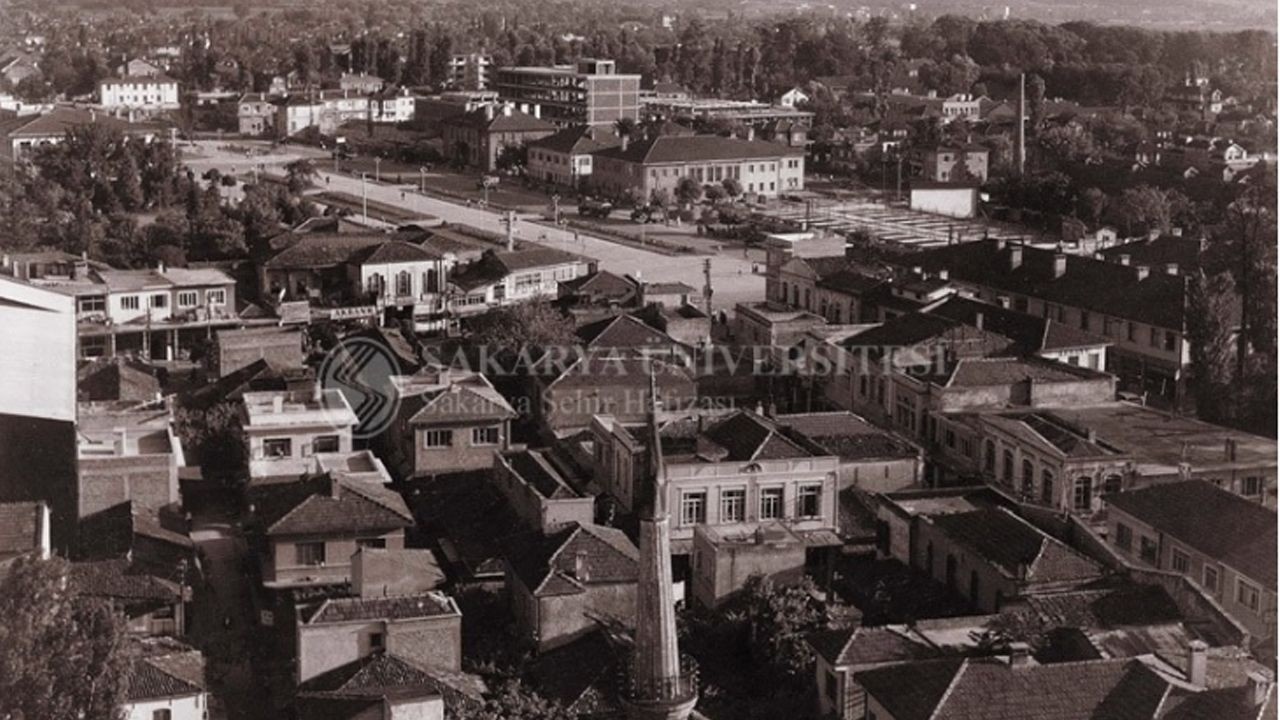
(1046, 487)
(1082, 498)
(1008, 467)
(376, 283)
(404, 284)
(1028, 477)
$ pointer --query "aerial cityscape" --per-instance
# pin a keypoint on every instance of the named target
(396, 360)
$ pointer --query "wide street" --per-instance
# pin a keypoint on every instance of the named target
(731, 276)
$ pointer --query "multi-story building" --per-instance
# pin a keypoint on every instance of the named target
(256, 114)
(564, 159)
(750, 112)
(947, 163)
(283, 430)
(1224, 544)
(503, 278)
(326, 110)
(126, 455)
(360, 83)
(591, 93)
(154, 312)
(448, 422)
(742, 472)
(470, 71)
(145, 94)
(478, 138)
(392, 106)
(1141, 311)
(657, 165)
(307, 530)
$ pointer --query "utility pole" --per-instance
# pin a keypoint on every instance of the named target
(898, 195)
(510, 220)
(1022, 124)
(377, 169)
(364, 196)
(706, 283)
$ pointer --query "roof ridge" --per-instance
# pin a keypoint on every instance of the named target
(551, 568)
(946, 694)
(293, 509)
(355, 486)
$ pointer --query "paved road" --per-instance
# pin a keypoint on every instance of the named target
(731, 276)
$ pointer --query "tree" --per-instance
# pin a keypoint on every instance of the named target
(733, 187)
(688, 191)
(1142, 209)
(214, 438)
(510, 701)
(299, 174)
(715, 193)
(534, 325)
(1210, 322)
(780, 617)
(625, 127)
(1093, 202)
(512, 157)
(61, 657)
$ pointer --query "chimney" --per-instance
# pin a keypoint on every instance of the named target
(978, 320)
(1171, 268)
(122, 441)
(1059, 265)
(1152, 234)
(335, 488)
(488, 112)
(506, 110)
(1141, 272)
(277, 404)
(1015, 256)
(1019, 654)
(1176, 232)
(1000, 243)
(1259, 687)
(580, 569)
(626, 140)
(751, 133)
(1197, 662)
(160, 267)
(944, 274)
(1124, 258)
(1091, 435)
(537, 111)
(1003, 301)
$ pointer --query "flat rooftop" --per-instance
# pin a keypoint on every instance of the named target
(285, 408)
(104, 431)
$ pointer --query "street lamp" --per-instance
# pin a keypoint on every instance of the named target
(377, 169)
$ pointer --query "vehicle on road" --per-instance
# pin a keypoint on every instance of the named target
(487, 181)
(595, 208)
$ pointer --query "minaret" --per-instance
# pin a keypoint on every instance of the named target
(661, 685)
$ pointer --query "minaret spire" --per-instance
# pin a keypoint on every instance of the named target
(662, 685)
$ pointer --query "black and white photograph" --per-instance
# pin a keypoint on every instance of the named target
(663, 360)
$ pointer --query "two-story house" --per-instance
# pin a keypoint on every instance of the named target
(448, 421)
(284, 429)
(307, 530)
(1223, 543)
(256, 114)
(126, 455)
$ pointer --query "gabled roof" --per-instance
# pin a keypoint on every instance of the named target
(393, 251)
(578, 140)
(118, 378)
(550, 564)
(601, 281)
(372, 676)
(1047, 431)
(697, 148)
(623, 331)
(326, 505)
(1015, 547)
(989, 689)
(122, 581)
(515, 121)
(59, 120)
(745, 436)
(112, 532)
(1161, 251)
(1218, 523)
(865, 645)
(471, 399)
(1031, 333)
(317, 250)
(156, 677)
(988, 371)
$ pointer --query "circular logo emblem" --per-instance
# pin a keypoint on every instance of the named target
(361, 370)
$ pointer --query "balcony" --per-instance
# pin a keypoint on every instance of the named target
(675, 690)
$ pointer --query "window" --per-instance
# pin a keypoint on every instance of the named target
(966, 447)
(376, 641)
(311, 553)
(404, 283)
(1179, 561)
(1028, 477)
(215, 297)
(1211, 578)
(1170, 340)
(277, 447)
(771, 503)
(1248, 595)
(1155, 337)
(1046, 487)
(1252, 486)
(693, 508)
(485, 435)
(950, 436)
(1124, 536)
(1082, 498)
(1149, 551)
(162, 714)
(188, 298)
(129, 302)
(437, 438)
(326, 444)
(809, 501)
(989, 457)
(733, 505)
(1008, 467)
(93, 304)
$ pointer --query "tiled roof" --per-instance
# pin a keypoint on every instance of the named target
(19, 528)
(1104, 287)
(1031, 333)
(979, 372)
(849, 436)
(371, 676)
(118, 378)
(155, 677)
(548, 564)
(120, 580)
(602, 282)
(534, 258)
(864, 645)
(623, 331)
(310, 251)
(992, 690)
(111, 532)
(1016, 547)
(1218, 523)
(516, 121)
(576, 141)
(61, 119)
(325, 505)
(697, 148)
(1038, 428)
(531, 466)
(394, 251)
(467, 401)
(1181, 251)
(745, 436)
(1221, 704)
(334, 610)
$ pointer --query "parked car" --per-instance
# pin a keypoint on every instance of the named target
(595, 208)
